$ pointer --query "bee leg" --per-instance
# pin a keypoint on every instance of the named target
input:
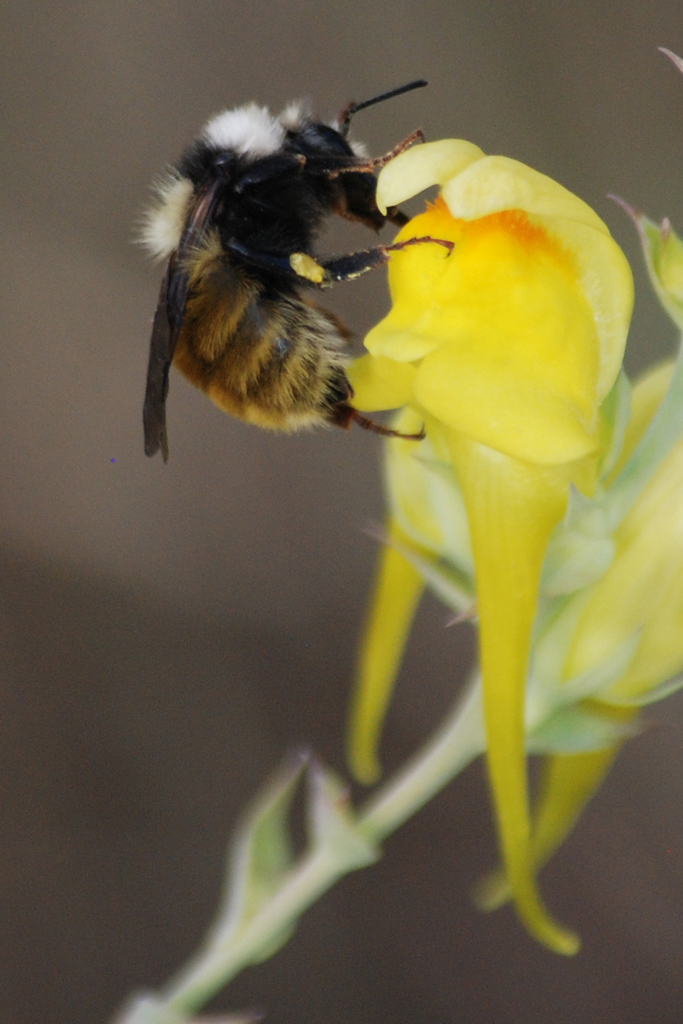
(266, 260)
(325, 272)
(343, 415)
(378, 161)
(382, 161)
(297, 265)
(346, 268)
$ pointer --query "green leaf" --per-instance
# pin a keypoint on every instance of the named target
(261, 853)
(262, 859)
(332, 827)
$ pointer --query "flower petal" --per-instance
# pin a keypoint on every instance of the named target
(380, 383)
(517, 418)
(497, 183)
(433, 163)
(398, 588)
(508, 339)
(570, 781)
(606, 281)
(513, 508)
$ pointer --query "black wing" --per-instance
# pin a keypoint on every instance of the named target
(169, 316)
(160, 355)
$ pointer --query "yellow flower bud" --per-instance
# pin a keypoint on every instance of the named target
(641, 594)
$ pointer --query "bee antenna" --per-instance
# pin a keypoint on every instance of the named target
(353, 108)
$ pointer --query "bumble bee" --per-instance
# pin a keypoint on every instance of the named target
(236, 221)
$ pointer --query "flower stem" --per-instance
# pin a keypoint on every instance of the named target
(458, 741)
(220, 961)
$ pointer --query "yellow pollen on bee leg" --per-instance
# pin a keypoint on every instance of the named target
(305, 266)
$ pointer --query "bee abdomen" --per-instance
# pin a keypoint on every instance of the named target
(302, 375)
(275, 361)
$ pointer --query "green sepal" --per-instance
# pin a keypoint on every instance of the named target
(578, 728)
(663, 251)
(436, 482)
(648, 696)
(581, 549)
(548, 691)
(449, 584)
(661, 436)
(615, 413)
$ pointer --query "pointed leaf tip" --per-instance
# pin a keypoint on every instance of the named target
(332, 825)
(674, 58)
(148, 1008)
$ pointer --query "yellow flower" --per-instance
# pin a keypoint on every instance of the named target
(516, 337)
(506, 349)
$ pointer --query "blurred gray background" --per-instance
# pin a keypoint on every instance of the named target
(169, 632)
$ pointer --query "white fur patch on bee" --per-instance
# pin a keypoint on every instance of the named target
(248, 130)
(359, 149)
(295, 114)
(163, 224)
